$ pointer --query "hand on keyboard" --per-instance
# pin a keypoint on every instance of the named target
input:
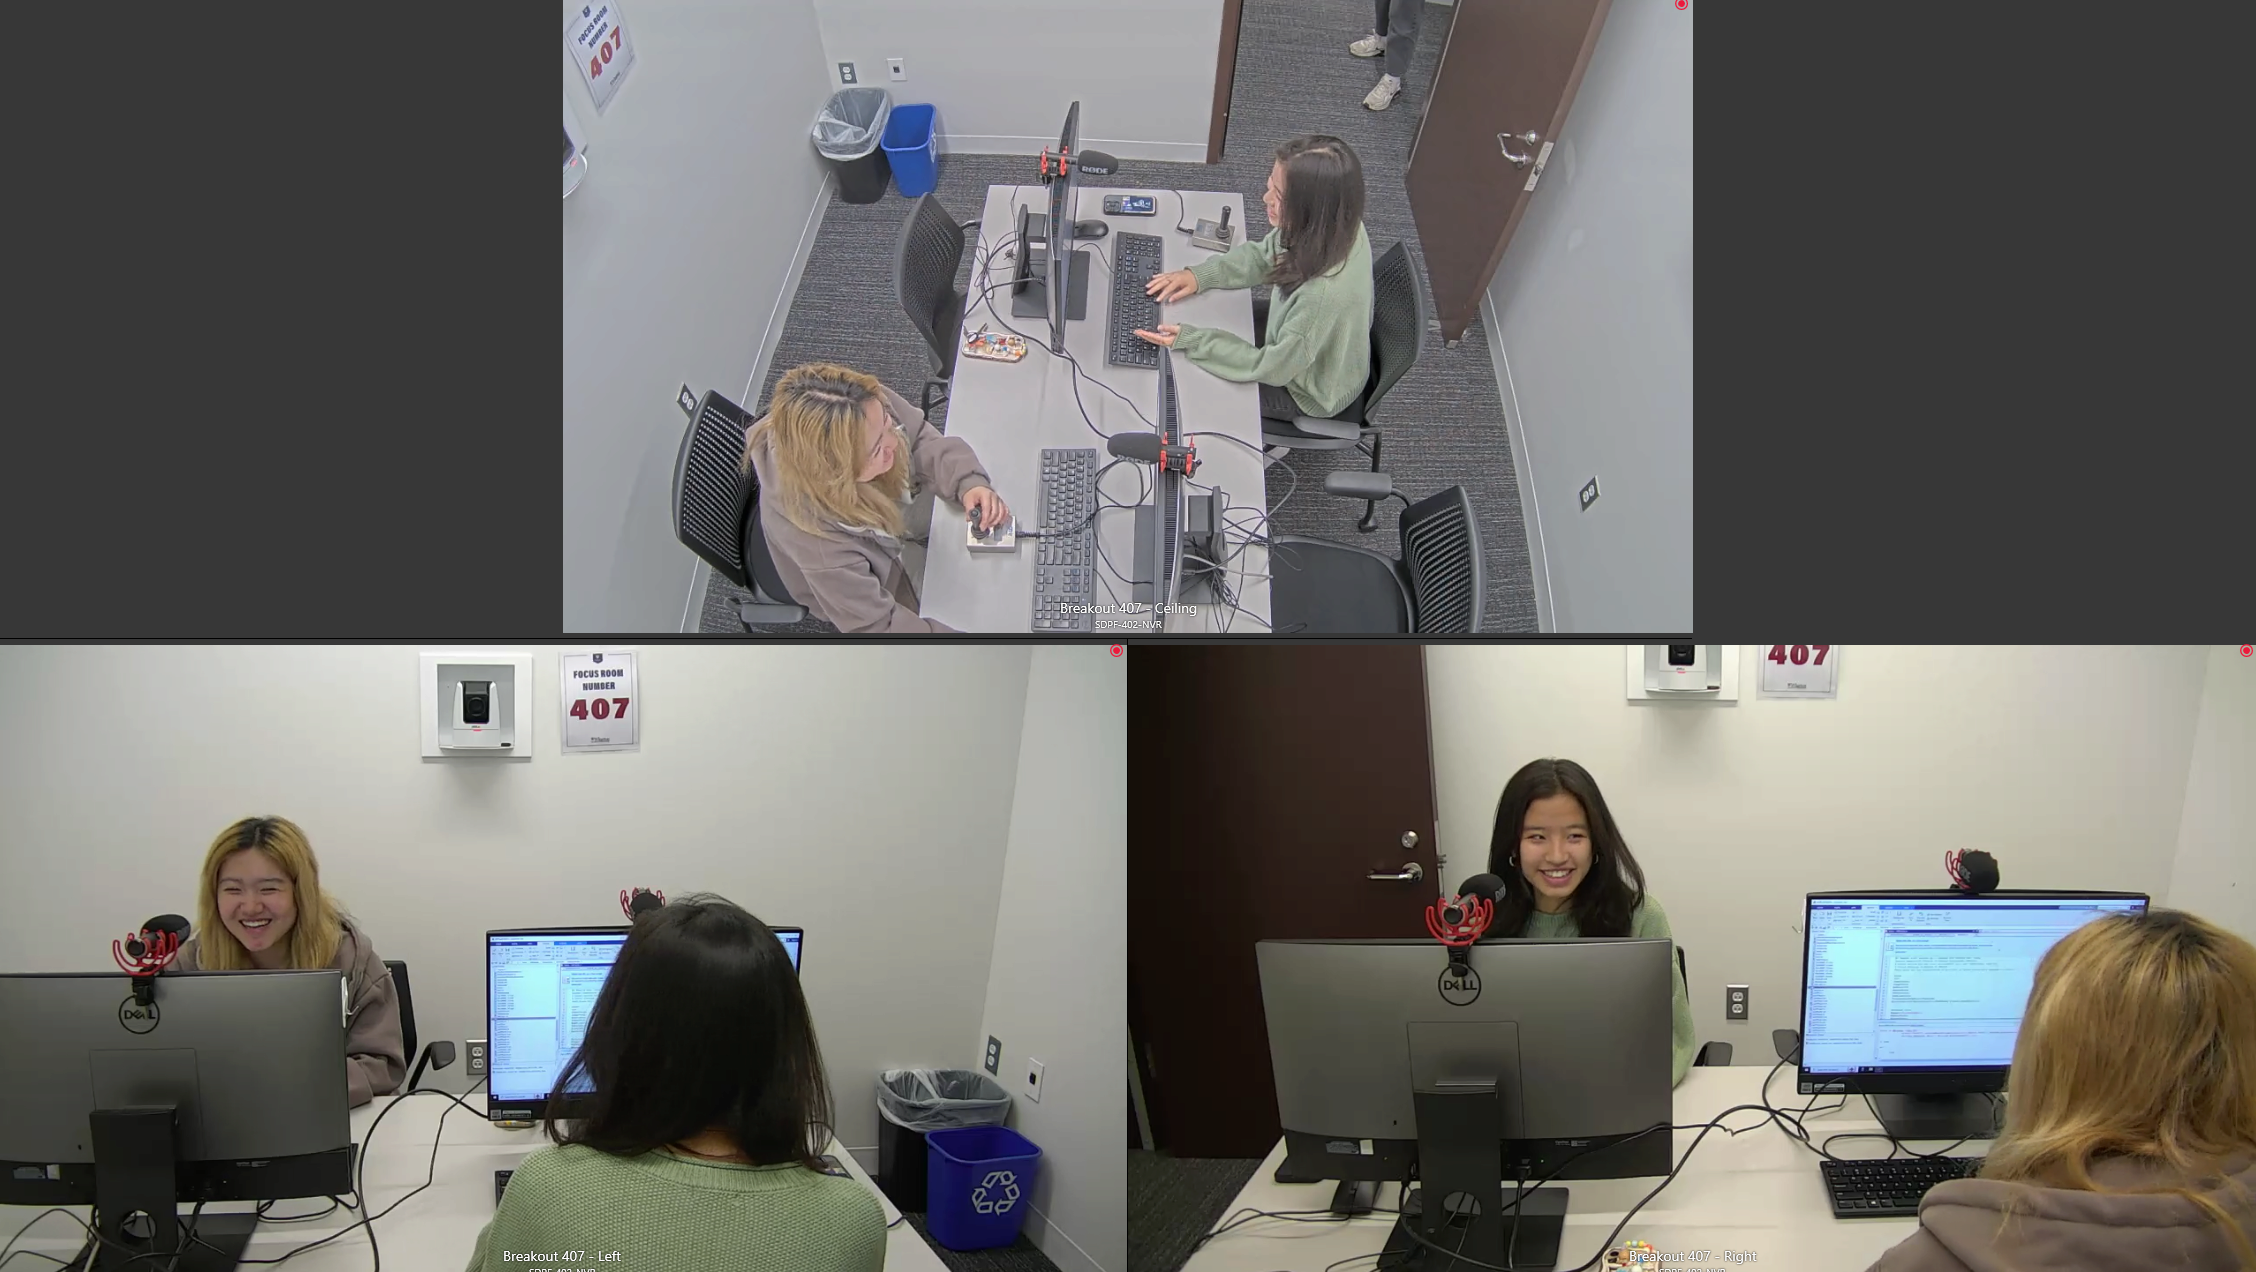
(1171, 287)
(1164, 336)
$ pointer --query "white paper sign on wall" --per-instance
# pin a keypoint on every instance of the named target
(602, 709)
(597, 39)
(1800, 671)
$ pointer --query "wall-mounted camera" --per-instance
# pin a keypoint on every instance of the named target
(476, 704)
(1683, 672)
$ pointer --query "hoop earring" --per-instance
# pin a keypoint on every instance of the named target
(1512, 860)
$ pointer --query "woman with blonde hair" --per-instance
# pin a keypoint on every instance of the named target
(260, 906)
(2130, 1132)
(848, 470)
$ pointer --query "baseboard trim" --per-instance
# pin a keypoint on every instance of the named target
(1166, 151)
(1055, 1245)
(1546, 614)
(700, 579)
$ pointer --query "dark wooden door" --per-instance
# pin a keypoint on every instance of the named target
(1266, 783)
(1508, 70)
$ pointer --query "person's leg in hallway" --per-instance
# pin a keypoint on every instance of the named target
(1374, 44)
(1399, 24)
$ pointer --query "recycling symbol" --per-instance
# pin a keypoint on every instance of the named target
(996, 1194)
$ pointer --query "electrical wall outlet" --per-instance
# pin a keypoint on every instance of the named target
(687, 401)
(893, 66)
(846, 73)
(1034, 1080)
(475, 1051)
(995, 1056)
(1589, 493)
(1735, 1002)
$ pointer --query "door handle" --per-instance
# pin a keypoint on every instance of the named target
(1411, 873)
(1504, 143)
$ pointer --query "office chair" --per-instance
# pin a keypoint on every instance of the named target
(406, 1004)
(1435, 588)
(924, 272)
(1711, 1053)
(717, 511)
(1399, 312)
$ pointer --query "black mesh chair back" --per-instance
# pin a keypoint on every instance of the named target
(406, 1004)
(1399, 313)
(924, 271)
(1441, 551)
(712, 493)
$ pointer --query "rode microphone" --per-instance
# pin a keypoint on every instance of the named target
(1972, 873)
(148, 951)
(640, 901)
(1096, 163)
(1146, 448)
(1457, 922)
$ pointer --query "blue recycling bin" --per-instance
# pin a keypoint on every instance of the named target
(908, 147)
(979, 1182)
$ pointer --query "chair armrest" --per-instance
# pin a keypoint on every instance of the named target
(1340, 430)
(1369, 487)
(1713, 1053)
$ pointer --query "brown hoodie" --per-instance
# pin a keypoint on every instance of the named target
(852, 577)
(375, 1055)
(2064, 1229)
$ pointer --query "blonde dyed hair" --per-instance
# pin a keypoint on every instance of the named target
(2139, 1040)
(814, 427)
(319, 926)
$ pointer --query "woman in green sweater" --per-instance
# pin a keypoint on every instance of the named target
(705, 1118)
(1567, 872)
(1311, 353)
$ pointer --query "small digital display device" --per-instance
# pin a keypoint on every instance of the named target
(1130, 205)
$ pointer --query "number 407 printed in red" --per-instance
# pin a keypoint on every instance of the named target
(1800, 671)
(601, 708)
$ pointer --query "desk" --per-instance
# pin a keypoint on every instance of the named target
(1010, 411)
(440, 1227)
(1757, 1192)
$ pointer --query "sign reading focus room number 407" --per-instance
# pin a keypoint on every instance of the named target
(597, 38)
(601, 711)
(1800, 671)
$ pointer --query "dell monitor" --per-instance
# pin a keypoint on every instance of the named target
(1159, 524)
(1550, 1059)
(224, 1086)
(1055, 283)
(541, 985)
(1913, 999)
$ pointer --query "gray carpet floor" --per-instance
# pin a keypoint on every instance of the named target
(1172, 1201)
(1444, 422)
(1022, 1257)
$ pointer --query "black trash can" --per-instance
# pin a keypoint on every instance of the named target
(913, 1101)
(847, 134)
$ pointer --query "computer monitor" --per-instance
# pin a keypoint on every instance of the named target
(541, 985)
(1914, 998)
(1550, 1059)
(1159, 523)
(1053, 284)
(225, 1086)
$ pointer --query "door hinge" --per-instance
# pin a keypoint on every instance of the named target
(1542, 157)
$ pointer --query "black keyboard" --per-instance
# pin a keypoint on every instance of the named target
(1065, 558)
(1135, 258)
(1889, 1187)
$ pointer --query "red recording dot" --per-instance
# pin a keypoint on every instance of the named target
(2246, 650)
(1680, 3)
(1116, 651)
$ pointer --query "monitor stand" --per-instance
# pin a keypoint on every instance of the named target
(1459, 1205)
(1031, 298)
(1937, 1117)
(134, 1171)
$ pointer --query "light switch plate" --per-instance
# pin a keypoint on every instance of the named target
(893, 66)
(995, 1056)
(1735, 1002)
(1034, 1080)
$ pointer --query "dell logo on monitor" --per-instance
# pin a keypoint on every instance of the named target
(137, 1018)
(1460, 991)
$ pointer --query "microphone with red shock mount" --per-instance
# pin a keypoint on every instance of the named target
(147, 952)
(637, 902)
(1458, 921)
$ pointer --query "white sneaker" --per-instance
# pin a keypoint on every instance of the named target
(1383, 96)
(1369, 46)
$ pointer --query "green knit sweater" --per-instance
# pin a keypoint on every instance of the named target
(1649, 920)
(662, 1213)
(1318, 345)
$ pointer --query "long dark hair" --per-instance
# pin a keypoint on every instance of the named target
(699, 1026)
(1610, 891)
(1321, 209)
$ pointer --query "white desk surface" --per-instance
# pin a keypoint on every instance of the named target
(439, 1228)
(1757, 1192)
(1010, 411)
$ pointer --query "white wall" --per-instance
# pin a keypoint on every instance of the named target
(2215, 871)
(1590, 322)
(1058, 987)
(681, 250)
(1000, 73)
(2069, 765)
(828, 787)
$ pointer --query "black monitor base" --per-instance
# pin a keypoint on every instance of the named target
(1032, 298)
(1938, 1117)
(217, 1247)
(1532, 1246)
